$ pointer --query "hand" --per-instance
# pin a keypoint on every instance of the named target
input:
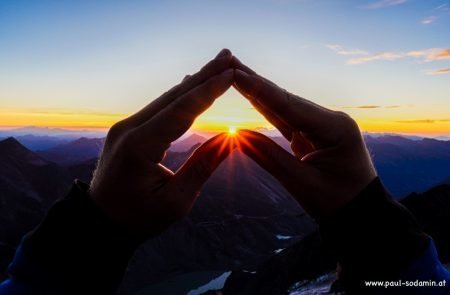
(330, 163)
(130, 185)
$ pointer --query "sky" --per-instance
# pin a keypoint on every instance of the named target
(88, 64)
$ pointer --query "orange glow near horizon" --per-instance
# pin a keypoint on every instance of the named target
(226, 115)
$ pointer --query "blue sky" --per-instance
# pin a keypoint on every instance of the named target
(89, 63)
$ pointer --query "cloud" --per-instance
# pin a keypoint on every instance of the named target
(372, 107)
(432, 54)
(425, 121)
(438, 72)
(387, 55)
(429, 19)
(342, 51)
(438, 12)
(425, 55)
(385, 3)
(364, 107)
(443, 6)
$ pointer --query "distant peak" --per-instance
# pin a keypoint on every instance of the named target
(10, 142)
(13, 148)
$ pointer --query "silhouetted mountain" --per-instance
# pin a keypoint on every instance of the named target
(240, 219)
(243, 216)
(28, 186)
(83, 171)
(407, 165)
(187, 143)
(288, 270)
(446, 181)
(75, 152)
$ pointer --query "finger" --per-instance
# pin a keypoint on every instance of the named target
(277, 161)
(299, 113)
(237, 64)
(219, 64)
(284, 128)
(172, 122)
(202, 163)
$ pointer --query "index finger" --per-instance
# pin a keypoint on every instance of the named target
(172, 122)
(298, 112)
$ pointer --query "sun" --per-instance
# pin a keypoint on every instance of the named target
(232, 130)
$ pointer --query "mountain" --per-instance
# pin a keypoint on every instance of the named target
(187, 143)
(84, 170)
(404, 164)
(289, 271)
(53, 132)
(233, 225)
(407, 165)
(28, 186)
(241, 218)
(306, 267)
(41, 142)
(75, 152)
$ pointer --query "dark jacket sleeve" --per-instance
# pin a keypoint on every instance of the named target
(375, 238)
(75, 250)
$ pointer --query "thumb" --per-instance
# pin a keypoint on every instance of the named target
(202, 163)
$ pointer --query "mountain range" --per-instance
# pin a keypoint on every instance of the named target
(405, 164)
(242, 218)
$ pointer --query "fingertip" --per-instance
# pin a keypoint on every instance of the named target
(225, 52)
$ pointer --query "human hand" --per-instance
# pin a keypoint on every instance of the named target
(130, 185)
(330, 163)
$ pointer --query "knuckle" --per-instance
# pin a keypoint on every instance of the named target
(347, 121)
(348, 126)
(117, 130)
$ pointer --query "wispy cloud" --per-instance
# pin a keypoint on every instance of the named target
(345, 51)
(387, 55)
(425, 121)
(436, 13)
(429, 19)
(385, 3)
(438, 72)
(432, 54)
(425, 55)
(372, 107)
(443, 6)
